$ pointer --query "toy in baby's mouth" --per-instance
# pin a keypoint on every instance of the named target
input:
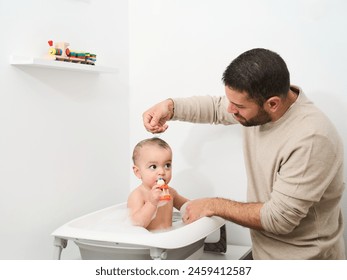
(165, 196)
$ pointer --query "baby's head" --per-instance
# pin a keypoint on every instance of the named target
(152, 160)
(150, 142)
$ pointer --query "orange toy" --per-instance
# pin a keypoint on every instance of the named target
(165, 197)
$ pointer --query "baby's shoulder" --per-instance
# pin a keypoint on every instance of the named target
(136, 193)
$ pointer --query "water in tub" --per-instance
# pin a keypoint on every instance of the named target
(110, 222)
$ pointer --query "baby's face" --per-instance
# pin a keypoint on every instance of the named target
(154, 162)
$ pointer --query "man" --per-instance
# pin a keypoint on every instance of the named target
(293, 156)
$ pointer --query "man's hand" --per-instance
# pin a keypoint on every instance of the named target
(197, 209)
(155, 118)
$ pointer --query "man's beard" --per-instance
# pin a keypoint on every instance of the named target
(261, 118)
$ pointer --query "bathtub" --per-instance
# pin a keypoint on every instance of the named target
(108, 234)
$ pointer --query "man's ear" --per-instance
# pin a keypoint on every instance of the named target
(137, 171)
(272, 104)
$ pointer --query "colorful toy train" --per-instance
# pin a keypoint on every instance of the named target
(61, 52)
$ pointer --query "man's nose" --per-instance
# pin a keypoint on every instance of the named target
(232, 109)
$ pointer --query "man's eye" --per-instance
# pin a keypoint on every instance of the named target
(153, 167)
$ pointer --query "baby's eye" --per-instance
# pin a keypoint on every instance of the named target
(168, 165)
(153, 167)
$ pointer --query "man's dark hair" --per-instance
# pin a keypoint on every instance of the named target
(259, 72)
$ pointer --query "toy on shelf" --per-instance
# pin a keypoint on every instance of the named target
(165, 196)
(61, 52)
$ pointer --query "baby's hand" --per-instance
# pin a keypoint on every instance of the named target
(155, 194)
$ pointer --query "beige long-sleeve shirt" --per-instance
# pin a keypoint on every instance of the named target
(295, 167)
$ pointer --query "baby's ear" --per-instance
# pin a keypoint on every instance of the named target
(137, 171)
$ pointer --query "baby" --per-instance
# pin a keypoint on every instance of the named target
(151, 203)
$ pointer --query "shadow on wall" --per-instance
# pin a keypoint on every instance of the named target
(214, 157)
(207, 151)
(73, 85)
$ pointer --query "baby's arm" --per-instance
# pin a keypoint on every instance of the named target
(178, 200)
(142, 212)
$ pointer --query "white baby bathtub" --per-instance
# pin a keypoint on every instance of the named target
(108, 234)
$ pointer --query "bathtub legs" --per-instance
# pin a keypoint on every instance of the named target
(158, 254)
(59, 245)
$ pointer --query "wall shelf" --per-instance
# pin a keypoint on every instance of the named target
(60, 65)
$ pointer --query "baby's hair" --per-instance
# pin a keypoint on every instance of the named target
(149, 141)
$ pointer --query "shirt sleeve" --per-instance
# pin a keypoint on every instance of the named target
(203, 109)
(304, 177)
(282, 213)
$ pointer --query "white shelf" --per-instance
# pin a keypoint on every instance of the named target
(60, 65)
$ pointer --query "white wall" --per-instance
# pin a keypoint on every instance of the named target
(64, 135)
(180, 48)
